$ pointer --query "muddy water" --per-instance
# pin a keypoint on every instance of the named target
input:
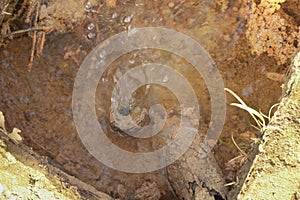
(39, 102)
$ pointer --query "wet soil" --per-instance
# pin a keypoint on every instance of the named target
(39, 102)
(277, 157)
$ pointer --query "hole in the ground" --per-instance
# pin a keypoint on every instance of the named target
(40, 102)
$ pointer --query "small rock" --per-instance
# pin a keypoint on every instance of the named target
(88, 5)
(114, 16)
(227, 38)
(128, 19)
(91, 26)
(91, 35)
(235, 9)
(171, 4)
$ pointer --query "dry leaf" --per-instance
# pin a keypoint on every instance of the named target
(2, 122)
(14, 136)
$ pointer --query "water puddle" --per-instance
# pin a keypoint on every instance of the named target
(40, 102)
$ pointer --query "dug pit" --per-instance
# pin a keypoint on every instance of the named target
(248, 47)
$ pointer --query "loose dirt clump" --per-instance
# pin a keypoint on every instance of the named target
(272, 31)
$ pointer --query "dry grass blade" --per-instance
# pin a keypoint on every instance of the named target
(259, 119)
(265, 116)
(270, 111)
(237, 146)
(235, 96)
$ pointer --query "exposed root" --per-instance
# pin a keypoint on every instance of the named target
(37, 28)
(15, 10)
(40, 42)
(34, 39)
(32, 51)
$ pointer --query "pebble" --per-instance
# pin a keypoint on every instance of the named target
(91, 26)
(235, 9)
(226, 38)
(88, 5)
(171, 4)
(114, 16)
(91, 35)
(128, 19)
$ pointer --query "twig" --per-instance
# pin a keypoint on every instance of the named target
(30, 9)
(237, 146)
(41, 42)
(42, 28)
(34, 38)
(32, 51)
(3, 13)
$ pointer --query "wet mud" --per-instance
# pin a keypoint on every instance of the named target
(39, 101)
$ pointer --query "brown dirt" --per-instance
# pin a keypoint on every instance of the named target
(272, 31)
(39, 102)
(276, 167)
